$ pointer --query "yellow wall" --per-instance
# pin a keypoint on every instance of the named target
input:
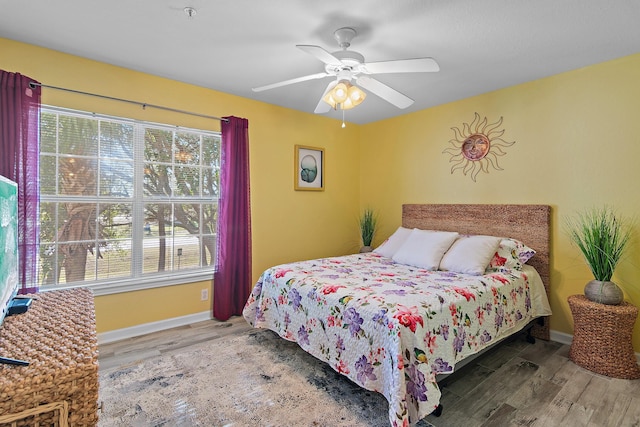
(119, 311)
(287, 225)
(577, 145)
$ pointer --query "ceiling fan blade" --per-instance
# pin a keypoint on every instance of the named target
(321, 54)
(417, 65)
(322, 106)
(291, 81)
(385, 92)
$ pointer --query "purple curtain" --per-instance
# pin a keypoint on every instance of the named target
(19, 161)
(232, 278)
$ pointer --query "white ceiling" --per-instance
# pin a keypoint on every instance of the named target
(234, 45)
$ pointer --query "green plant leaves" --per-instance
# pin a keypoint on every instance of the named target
(368, 221)
(602, 237)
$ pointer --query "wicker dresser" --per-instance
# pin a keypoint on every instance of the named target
(602, 337)
(57, 335)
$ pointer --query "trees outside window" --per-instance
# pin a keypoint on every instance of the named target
(122, 199)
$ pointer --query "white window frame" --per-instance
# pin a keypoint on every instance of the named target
(138, 280)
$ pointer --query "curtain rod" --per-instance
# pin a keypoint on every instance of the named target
(141, 104)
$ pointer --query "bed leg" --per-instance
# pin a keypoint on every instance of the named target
(438, 411)
(530, 338)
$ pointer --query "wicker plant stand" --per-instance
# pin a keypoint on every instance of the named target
(602, 337)
(57, 336)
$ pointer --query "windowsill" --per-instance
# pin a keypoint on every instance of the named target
(137, 284)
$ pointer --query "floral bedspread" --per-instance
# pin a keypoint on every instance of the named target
(389, 327)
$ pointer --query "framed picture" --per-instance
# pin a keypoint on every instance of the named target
(308, 168)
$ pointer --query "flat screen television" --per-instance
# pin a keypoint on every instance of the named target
(9, 281)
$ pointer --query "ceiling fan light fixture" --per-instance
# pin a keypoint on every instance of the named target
(356, 95)
(340, 92)
(344, 96)
(329, 100)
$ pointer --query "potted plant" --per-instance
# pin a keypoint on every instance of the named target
(602, 238)
(368, 223)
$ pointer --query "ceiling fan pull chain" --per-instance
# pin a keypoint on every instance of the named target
(343, 125)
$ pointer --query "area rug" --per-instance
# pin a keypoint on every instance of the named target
(254, 379)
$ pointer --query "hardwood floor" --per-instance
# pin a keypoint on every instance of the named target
(135, 350)
(518, 384)
(514, 384)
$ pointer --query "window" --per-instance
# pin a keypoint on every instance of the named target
(124, 201)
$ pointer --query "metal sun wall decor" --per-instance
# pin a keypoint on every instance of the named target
(477, 146)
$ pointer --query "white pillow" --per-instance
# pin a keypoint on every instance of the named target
(389, 247)
(470, 254)
(425, 249)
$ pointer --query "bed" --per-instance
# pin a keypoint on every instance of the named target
(394, 327)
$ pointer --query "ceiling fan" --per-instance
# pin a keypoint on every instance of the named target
(347, 65)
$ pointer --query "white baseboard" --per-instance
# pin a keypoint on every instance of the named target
(561, 337)
(146, 328)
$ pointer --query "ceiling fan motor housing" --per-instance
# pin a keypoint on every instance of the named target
(349, 57)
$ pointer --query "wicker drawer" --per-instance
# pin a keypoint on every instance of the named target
(57, 335)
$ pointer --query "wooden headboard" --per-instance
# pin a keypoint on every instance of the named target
(531, 224)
